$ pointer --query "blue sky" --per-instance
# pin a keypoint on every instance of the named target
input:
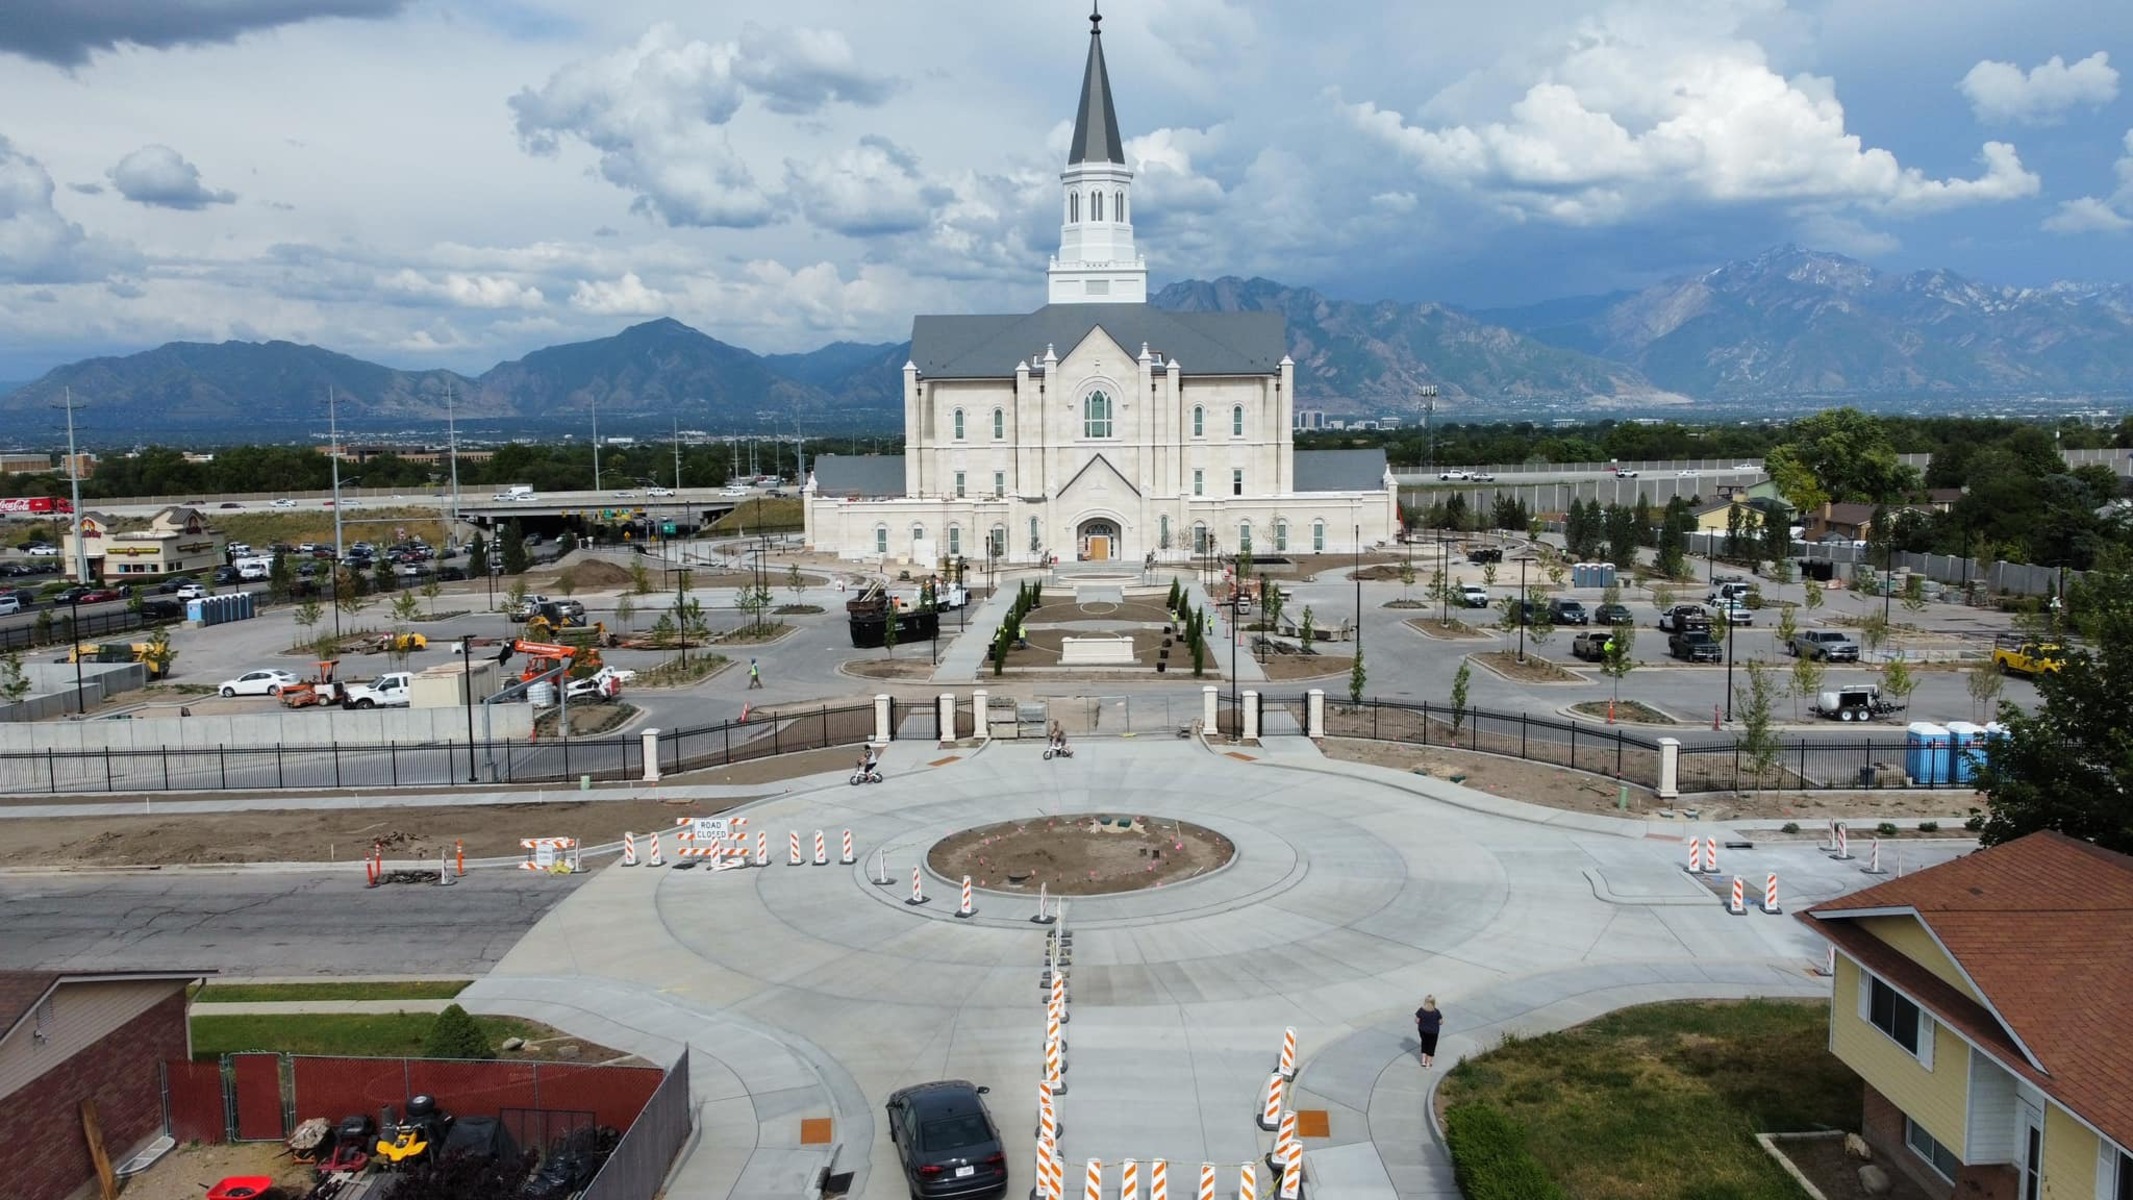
(431, 182)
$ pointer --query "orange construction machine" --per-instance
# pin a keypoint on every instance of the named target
(319, 689)
(543, 657)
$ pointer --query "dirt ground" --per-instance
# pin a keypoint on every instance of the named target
(1056, 613)
(186, 1170)
(1836, 1174)
(1577, 791)
(1534, 670)
(1430, 627)
(341, 835)
(1284, 668)
(1077, 855)
(908, 669)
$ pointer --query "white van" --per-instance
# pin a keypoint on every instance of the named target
(9, 605)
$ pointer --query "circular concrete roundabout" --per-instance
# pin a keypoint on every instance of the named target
(1350, 895)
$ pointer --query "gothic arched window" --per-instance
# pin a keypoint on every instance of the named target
(1096, 415)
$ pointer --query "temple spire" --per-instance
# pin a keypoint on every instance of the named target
(1096, 121)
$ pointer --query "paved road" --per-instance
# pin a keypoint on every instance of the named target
(268, 922)
(812, 992)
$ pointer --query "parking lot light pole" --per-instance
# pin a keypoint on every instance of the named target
(1237, 712)
(466, 660)
(1523, 602)
(81, 705)
(1731, 625)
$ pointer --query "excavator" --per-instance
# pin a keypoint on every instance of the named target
(543, 657)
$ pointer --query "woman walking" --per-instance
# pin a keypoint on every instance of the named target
(1429, 1022)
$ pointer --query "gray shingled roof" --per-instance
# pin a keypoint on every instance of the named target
(1340, 470)
(1096, 121)
(1203, 343)
(868, 476)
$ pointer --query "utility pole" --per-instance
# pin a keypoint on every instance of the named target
(333, 426)
(596, 443)
(1429, 422)
(451, 424)
(81, 551)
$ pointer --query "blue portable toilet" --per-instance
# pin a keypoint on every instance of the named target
(1925, 753)
(1966, 749)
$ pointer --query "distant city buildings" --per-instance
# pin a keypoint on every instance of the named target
(25, 464)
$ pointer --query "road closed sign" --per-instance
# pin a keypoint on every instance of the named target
(710, 829)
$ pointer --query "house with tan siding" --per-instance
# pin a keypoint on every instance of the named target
(1987, 1007)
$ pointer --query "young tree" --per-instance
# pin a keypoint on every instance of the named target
(279, 577)
(1807, 675)
(478, 558)
(1272, 604)
(566, 584)
(1618, 656)
(1758, 739)
(349, 592)
(1357, 677)
(382, 575)
(640, 578)
(1440, 590)
(1307, 631)
(511, 546)
(1488, 574)
(1507, 617)
(625, 610)
(1460, 679)
(1898, 681)
(888, 634)
(431, 589)
(516, 594)
(754, 601)
(1914, 593)
(308, 614)
(405, 608)
(1874, 632)
(1985, 682)
(1813, 595)
(1788, 625)
(1407, 578)
(14, 683)
(796, 583)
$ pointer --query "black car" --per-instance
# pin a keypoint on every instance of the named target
(228, 575)
(946, 1140)
(1485, 554)
(1613, 614)
(1695, 645)
(162, 610)
(1567, 612)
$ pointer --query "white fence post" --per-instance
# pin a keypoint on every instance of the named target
(1669, 768)
(1315, 713)
(1207, 710)
(1250, 716)
(944, 712)
(651, 756)
(979, 699)
(882, 732)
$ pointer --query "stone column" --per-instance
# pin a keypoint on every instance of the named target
(945, 713)
(1669, 768)
(1250, 716)
(1208, 706)
(651, 756)
(882, 732)
(978, 709)
(1315, 713)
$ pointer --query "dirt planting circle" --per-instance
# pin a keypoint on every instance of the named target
(1081, 854)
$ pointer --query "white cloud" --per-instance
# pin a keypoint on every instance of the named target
(1166, 183)
(160, 176)
(2100, 214)
(37, 244)
(874, 188)
(1639, 113)
(2000, 93)
(657, 112)
(626, 295)
(463, 290)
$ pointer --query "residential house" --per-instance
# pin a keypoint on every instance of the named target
(67, 1037)
(1847, 521)
(1987, 1006)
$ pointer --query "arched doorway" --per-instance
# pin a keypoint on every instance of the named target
(1099, 541)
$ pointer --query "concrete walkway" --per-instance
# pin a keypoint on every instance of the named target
(815, 992)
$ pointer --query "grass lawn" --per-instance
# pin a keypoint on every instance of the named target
(375, 1034)
(1664, 1100)
(269, 993)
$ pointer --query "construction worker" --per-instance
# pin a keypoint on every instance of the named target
(755, 675)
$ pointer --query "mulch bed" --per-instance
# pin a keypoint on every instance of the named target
(1836, 1174)
(1077, 854)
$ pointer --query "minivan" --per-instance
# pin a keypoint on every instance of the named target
(9, 606)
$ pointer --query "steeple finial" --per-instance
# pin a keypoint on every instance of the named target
(1096, 121)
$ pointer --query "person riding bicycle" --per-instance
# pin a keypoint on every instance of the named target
(1057, 737)
(868, 764)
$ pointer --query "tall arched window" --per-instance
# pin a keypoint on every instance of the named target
(1199, 421)
(959, 424)
(1236, 422)
(999, 424)
(997, 544)
(1281, 537)
(1096, 415)
(918, 535)
(1318, 537)
(1199, 539)
(1244, 537)
(1074, 208)
(955, 541)
(881, 539)
(1036, 539)
(1118, 206)
(1096, 206)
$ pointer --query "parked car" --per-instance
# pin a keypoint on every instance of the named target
(1735, 591)
(9, 606)
(1695, 645)
(1734, 612)
(41, 550)
(1473, 595)
(1453, 476)
(946, 1140)
(192, 589)
(174, 583)
(1826, 645)
(162, 610)
(659, 491)
(1673, 619)
(1613, 614)
(1592, 647)
(1568, 612)
(1485, 554)
(268, 682)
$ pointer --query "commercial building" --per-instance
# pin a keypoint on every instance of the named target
(177, 539)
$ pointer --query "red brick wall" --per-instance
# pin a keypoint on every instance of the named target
(1882, 1127)
(120, 1074)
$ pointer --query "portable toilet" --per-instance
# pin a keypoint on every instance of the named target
(1925, 753)
(1966, 749)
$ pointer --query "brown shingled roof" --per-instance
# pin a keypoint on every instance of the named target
(2043, 926)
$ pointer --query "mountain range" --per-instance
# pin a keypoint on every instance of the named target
(1789, 324)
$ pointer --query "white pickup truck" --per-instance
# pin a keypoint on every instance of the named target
(390, 690)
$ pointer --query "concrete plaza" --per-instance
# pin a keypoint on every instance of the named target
(810, 993)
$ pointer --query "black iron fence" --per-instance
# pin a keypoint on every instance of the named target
(61, 629)
(765, 733)
(1825, 766)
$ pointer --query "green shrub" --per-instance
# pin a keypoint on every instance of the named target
(1489, 1156)
(1886, 829)
(1929, 827)
(455, 1035)
(1789, 827)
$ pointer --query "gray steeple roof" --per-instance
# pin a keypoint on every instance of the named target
(1096, 121)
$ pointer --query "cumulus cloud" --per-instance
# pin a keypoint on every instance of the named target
(2001, 93)
(66, 32)
(463, 290)
(655, 111)
(2100, 214)
(625, 296)
(1638, 113)
(37, 245)
(1166, 180)
(874, 188)
(160, 176)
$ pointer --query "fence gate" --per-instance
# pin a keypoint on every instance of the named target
(255, 1098)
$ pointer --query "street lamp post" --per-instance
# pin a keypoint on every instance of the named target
(1359, 591)
(1236, 712)
(1523, 602)
(1731, 625)
(466, 666)
(74, 627)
